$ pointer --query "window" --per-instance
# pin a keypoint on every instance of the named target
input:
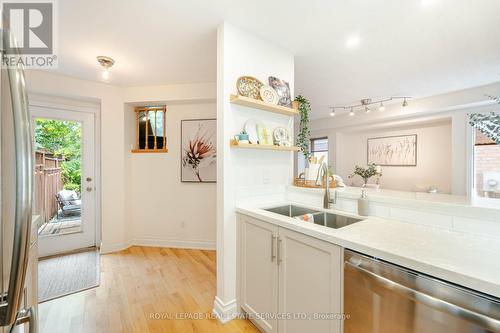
(486, 166)
(319, 148)
(150, 129)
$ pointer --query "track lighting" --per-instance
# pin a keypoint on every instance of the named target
(106, 63)
(366, 102)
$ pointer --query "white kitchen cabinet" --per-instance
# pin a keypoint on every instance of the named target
(258, 287)
(309, 283)
(287, 278)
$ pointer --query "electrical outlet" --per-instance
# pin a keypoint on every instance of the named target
(183, 224)
(266, 179)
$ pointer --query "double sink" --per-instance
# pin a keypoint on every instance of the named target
(326, 219)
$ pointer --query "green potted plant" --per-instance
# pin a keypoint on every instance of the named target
(304, 131)
(366, 174)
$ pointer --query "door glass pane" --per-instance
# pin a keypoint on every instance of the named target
(486, 166)
(58, 176)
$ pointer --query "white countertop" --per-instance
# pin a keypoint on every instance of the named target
(463, 259)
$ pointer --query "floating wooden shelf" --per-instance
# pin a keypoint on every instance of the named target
(253, 103)
(262, 147)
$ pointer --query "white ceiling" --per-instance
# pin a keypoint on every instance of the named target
(406, 47)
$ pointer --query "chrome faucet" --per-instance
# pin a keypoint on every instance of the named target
(327, 201)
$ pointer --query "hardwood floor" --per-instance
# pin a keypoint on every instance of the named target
(144, 289)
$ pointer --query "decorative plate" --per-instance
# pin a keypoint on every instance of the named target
(282, 89)
(249, 87)
(281, 137)
(251, 129)
(269, 95)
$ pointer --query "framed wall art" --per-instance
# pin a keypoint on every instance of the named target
(198, 150)
(393, 150)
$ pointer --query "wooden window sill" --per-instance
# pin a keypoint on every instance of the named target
(144, 151)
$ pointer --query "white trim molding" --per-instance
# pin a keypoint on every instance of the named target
(105, 249)
(175, 243)
(167, 243)
(225, 312)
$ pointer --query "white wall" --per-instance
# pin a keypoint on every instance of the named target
(165, 211)
(127, 178)
(433, 158)
(242, 172)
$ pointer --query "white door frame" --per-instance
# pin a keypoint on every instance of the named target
(55, 103)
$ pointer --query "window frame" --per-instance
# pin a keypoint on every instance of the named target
(311, 146)
(146, 110)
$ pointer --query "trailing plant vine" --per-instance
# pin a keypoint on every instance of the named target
(304, 131)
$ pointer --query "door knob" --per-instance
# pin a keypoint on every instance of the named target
(89, 179)
(89, 189)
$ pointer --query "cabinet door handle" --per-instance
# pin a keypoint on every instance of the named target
(273, 245)
(280, 250)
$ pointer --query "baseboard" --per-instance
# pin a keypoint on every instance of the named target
(225, 312)
(172, 243)
(175, 243)
(104, 249)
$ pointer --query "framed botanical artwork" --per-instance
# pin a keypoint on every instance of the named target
(198, 150)
(393, 150)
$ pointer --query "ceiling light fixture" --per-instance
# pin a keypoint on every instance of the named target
(332, 113)
(366, 102)
(106, 63)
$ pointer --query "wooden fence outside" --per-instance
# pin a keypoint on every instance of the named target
(48, 183)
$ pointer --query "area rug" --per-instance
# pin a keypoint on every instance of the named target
(67, 274)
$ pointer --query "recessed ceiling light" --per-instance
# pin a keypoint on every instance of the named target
(352, 41)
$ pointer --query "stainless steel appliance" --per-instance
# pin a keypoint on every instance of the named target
(18, 302)
(382, 297)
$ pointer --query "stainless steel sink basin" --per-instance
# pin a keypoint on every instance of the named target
(329, 220)
(291, 210)
(334, 221)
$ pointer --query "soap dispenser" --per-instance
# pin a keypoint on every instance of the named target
(363, 204)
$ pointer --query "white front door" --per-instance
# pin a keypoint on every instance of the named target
(65, 188)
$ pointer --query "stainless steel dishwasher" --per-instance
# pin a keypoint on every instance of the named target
(380, 297)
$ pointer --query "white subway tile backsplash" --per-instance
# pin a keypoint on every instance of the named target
(403, 215)
(380, 211)
(480, 227)
(435, 220)
(347, 205)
